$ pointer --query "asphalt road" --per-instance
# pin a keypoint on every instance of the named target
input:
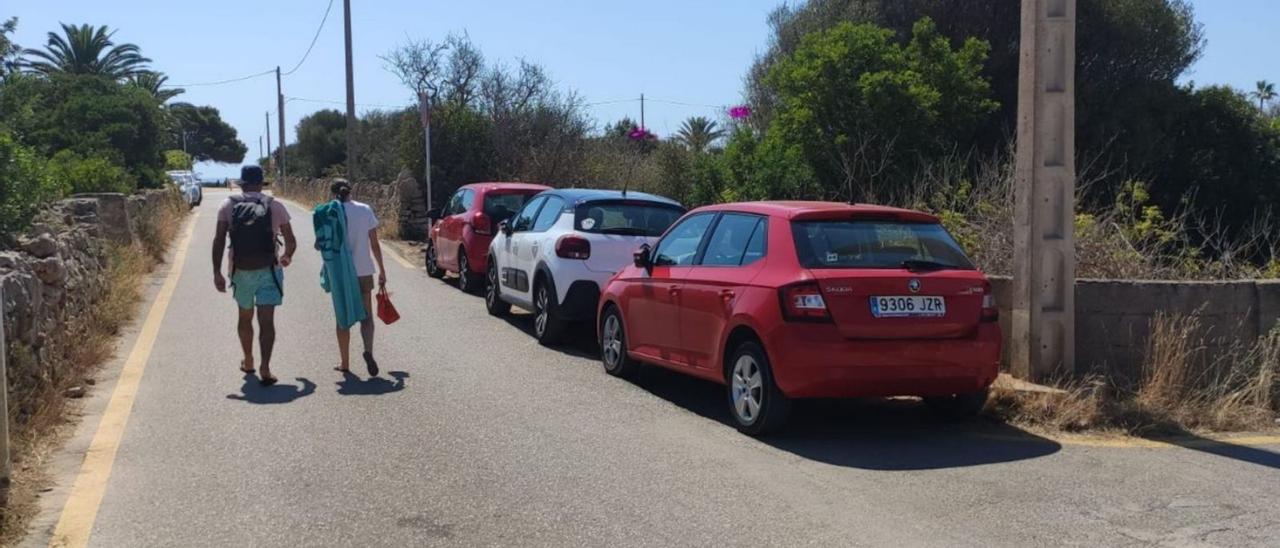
(475, 435)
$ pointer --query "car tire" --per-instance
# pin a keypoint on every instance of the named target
(613, 345)
(493, 302)
(548, 326)
(757, 405)
(467, 281)
(958, 407)
(433, 264)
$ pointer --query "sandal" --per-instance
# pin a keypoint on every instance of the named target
(372, 363)
(268, 381)
(248, 371)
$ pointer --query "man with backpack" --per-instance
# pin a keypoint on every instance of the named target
(254, 221)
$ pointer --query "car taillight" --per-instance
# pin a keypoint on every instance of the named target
(990, 310)
(573, 247)
(480, 223)
(804, 302)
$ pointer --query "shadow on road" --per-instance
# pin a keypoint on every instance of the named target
(1225, 449)
(351, 385)
(867, 434)
(253, 392)
(579, 338)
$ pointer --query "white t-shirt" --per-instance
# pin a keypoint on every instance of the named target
(360, 220)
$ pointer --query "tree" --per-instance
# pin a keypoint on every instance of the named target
(208, 137)
(865, 111)
(321, 143)
(698, 133)
(91, 116)
(1265, 93)
(154, 83)
(86, 50)
(9, 51)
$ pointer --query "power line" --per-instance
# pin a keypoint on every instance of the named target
(669, 102)
(313, 40)
(332, 102)
(221, 82)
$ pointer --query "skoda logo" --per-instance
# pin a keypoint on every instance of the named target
(914, 286)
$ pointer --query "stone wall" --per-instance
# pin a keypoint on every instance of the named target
(58, 267)
(401, 200)
(1113, 317)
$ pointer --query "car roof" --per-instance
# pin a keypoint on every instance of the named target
(499, 185)
(582, 195)
(814, 210)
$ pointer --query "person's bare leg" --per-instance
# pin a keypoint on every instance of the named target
(244, 328)
(344, 349)
(366, 333)
(366, 326)
(266, 339)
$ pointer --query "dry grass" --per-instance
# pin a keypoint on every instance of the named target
(312, 193)
(40, 414)
(1188, 384)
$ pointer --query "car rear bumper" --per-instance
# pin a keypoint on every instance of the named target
(813, 361)
(580, 301)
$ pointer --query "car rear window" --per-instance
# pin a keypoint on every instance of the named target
(504, 206)
(631, 218)
(876, 244)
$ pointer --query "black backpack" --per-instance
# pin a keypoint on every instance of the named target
(253, 240)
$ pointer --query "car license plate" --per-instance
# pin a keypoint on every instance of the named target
(908, 307)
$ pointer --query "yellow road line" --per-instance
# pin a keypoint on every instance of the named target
(396, 256)
(81, 509)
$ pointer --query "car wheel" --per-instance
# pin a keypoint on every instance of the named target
(613, 346)
(757, 405)
(958, 406)
(492, 299)
(433, 267)
(467, 281)
(548, 327)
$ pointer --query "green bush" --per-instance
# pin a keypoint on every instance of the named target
(24, 185)
(90, 174)
(177, 160)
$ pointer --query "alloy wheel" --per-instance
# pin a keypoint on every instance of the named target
(540, 306)
(748, 389)
(491, 292)
(612, 343)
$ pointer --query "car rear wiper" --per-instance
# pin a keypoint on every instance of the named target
(916, 264)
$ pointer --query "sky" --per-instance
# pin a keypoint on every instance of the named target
(688, 57)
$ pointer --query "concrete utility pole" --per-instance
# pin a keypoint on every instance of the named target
(6, 467)
(270, 152)
(260, 147)
(280, 121)
(1044, 193)
(351, 97)
(424, 108)
(642, 111)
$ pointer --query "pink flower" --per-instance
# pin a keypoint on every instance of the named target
(641, 134)
(739, 112)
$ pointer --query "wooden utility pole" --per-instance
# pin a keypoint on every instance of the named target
(1043, 323)
(642, 111)
(351, 96)
(6, 467)
(280, 121)
(424, 108)
(260, 147)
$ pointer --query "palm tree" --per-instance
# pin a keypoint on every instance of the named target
(153, 83)
(698, 133)
(1265, 93)
(86, 50)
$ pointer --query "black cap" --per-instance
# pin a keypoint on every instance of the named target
(251, 175)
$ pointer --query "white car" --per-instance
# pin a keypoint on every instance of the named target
(553, 257)
(189, 186)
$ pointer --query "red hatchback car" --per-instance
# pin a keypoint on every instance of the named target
(787, 300)
(461, 231)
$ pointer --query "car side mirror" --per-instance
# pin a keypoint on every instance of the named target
(434, 214)
(642, 257)
(505, 227)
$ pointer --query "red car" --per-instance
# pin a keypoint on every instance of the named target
(786, 300)
(461, 231)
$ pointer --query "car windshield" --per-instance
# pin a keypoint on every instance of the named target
(501, 207)
(631, 218)
(877, 244)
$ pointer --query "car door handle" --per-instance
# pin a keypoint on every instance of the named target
(673, 290)
(727, 294)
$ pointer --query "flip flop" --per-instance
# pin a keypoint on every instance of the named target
(372, 363)
(341, 370)
(268, 381)
(248, 371)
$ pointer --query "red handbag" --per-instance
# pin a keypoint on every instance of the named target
(386, 311)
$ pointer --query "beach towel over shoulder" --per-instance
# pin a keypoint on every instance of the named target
(338, 275)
